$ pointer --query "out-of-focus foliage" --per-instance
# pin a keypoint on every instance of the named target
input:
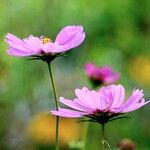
(41, 129)
(117, 34)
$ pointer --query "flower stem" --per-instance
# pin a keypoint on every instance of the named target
(85, 135)
(103, 136)
(56, 106)
(104, 141)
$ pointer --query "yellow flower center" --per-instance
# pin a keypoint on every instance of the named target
(46, 40)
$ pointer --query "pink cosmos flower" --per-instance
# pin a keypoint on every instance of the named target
(101, 75)
(69, 37)
(101, 106)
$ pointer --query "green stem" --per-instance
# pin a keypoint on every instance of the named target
(85, 135)
(103, 136)
(104, 141)
(56, 105)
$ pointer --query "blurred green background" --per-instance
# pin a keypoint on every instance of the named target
(117, 34)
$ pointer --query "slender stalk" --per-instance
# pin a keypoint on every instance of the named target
(85, 135)
(103, 136)
(56, 106)
(53, 85)
(104, 141)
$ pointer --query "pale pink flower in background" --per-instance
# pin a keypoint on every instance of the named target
(102, 105)
(101, 75)
(69, 37)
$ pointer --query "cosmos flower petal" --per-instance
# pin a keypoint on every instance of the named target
(48, 48)
(68, 34)
(57, 48)
(68, 46)
(33, 43)
(135, 106)
(84, 96)
(115, 94)
(10, 38)
(104, 102)
(95, 96)
(106, 99)
(62, 112)
(119, 95)
(136, 96)
(73, 104)
(18, 53)
(26, 47)
(86, 108)
(69, 37)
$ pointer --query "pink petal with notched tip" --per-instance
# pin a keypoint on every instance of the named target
(10, 38)
(26, 47)
(33, 43)
(84, 98)
(91, 99)
(97, 99)
(68, 113)
(18, 53)
(74, 105)
(106, 99)
(69, 37)
(136, 96)
(135, 106)
(48, 47)
(67, 34)
(118, 93)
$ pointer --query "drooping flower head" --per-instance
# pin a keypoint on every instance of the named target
(101, 106)
(69, 37)
(101, 75)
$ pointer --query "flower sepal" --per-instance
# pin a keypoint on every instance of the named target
(46, 58)
(103, 118)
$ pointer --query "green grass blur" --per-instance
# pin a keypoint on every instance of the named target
(117, 34)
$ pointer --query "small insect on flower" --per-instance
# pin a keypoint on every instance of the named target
(101, 75)
(69, 37)
(101, 106)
